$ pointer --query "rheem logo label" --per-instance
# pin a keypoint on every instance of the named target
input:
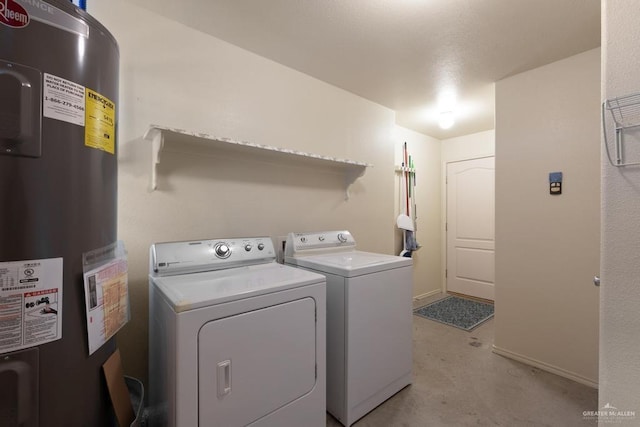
(12, 14)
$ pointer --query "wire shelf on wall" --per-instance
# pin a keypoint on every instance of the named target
(625, 112)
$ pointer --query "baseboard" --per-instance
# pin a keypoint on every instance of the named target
(545, 367)
(427, 295)
(471, 297)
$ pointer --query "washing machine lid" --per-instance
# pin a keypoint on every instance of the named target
(350, 263)
(191, 291)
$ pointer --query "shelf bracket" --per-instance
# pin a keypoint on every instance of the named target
(157, 144)
(350, 177)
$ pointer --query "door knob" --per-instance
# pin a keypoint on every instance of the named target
(596, 280)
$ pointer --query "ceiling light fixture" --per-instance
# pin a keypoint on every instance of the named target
(446, 119)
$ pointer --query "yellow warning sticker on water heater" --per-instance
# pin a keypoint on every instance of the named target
(99, 128)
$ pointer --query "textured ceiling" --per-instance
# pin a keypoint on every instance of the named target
(408, 55)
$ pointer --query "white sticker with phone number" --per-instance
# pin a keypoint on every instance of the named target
(63, 100)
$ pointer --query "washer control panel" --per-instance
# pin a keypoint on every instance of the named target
(171, 258)
(297, 243)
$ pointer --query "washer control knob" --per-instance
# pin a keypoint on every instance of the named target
(248, 247)
(321, 238)
(260, 246)
(303, 239)
(222, 250)
(342, 238)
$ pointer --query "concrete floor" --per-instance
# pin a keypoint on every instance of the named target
(459, 381)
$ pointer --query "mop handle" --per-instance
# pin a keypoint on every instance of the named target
(406, 180)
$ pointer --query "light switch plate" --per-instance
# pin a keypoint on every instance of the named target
(555, 183)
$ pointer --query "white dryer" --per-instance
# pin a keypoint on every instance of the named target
(369, 320)
(235, 339)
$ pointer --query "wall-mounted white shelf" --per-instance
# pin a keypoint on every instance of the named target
(201, 143)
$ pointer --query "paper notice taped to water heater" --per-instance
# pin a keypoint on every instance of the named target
(106, 291)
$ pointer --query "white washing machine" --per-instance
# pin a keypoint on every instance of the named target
(235, 339)
(369, 320)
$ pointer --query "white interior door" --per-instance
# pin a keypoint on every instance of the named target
(470, 227)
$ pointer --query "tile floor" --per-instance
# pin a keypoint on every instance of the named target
(459, 381)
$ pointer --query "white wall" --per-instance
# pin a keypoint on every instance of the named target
(620, 270)
(547, 247)
(174, 76)
(472, 146)
(425, 152)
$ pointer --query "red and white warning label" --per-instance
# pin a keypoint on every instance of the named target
(30, 303)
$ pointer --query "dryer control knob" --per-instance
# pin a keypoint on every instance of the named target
(222, 250)
(260, 246)
(248, 247)
(321, 238)
(342, 238)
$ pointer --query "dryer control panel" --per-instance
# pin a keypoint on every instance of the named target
(299, 243)
(167, 259)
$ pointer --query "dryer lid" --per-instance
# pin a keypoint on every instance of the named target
(190, 291)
